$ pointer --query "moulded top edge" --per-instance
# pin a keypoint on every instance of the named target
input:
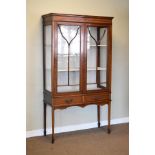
(75, 15)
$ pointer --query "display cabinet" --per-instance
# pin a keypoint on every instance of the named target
(77, 62)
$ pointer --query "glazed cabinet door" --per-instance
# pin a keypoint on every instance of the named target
(97, 49)
(68, 57)
(47, 44)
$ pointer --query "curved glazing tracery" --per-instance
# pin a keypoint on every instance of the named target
(97, 41)
(69, 42)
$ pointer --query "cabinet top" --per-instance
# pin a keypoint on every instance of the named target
(49, 18)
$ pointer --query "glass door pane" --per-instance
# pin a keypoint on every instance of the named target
(48, 60)
(68, 58)
(96, 58)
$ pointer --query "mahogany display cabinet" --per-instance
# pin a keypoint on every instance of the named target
(77, 62)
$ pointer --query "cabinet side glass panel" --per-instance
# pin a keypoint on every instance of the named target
(48, 57)
(68, 58)
(96, 58)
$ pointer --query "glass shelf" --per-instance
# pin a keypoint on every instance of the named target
(71, 70)
(77, 69)
(66, 55)
(98, 68)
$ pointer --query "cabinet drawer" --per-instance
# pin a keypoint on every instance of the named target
(66, 101)
(96, 98)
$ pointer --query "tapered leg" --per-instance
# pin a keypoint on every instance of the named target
(52, 124)
(98, 115)
(44, 119)
(109, 116)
